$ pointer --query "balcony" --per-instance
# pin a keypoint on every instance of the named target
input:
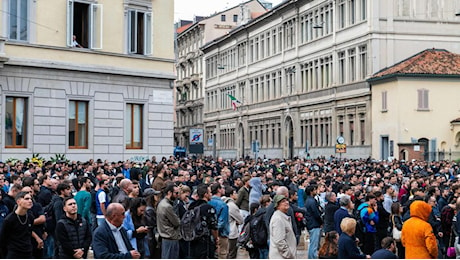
(186, 81)
(181, 60)
(179, 83)
(195, 78)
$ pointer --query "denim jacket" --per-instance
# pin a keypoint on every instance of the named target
(223, 225)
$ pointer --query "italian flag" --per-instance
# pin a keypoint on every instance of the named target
(234, 101)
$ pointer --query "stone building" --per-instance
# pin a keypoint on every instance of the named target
(190, 81)
(86, 78)
(300, 70)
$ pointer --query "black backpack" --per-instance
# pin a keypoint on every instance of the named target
(360, 229)
(192, 225)
(244, 238)
(258, 231)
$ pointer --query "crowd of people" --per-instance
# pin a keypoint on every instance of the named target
(205, 208)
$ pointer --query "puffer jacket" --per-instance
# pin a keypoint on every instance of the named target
(417, 234)
(72, 234)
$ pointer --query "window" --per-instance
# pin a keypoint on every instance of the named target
(84, 20)
(133, 126)
(422, 99)
(223, 18)
(78, 124)
(235, 18)
(363, 9)
(342, 14)
(363, 131)
(384, 101)
(363, 61)
(352, 132)
(18, 17)
(352, 11)
(15, 122)
(139, 32)
(352, 64)
(341, 67)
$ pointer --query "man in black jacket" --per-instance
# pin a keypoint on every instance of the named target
(314, 221)
(73, 233)
(110, 240)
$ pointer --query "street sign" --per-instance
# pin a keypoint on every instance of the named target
(340, 148)
(210, 142)
(196, 135)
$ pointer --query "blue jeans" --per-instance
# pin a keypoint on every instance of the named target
(48, 247)
(263, 252)
(315, 234)
(169, 249)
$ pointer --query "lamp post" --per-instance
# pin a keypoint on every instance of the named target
(214, 145)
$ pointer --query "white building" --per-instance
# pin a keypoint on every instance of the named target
(189, 66)
(300, 72)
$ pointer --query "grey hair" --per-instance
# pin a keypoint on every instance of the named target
(345, 200)
(282, 190)
(329, 195)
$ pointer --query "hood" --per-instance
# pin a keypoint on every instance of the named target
(362, 205)
(255, 182)
(420, 209)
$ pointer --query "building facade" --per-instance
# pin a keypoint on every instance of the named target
(87, 78)
(300, 70)
(415, 108)
(190, 82)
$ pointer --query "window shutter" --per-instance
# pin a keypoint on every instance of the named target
(96, 26)
(148, 33)
(69, 22)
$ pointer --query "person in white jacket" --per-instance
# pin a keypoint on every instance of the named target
(283, 243)
(235, 218)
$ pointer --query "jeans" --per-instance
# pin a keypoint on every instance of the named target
(263, 252)
(169, 249)
(315, 235)
(48, 247)
(99, 222)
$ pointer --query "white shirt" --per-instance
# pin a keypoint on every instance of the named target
(118, 238)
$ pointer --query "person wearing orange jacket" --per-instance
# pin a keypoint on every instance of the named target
(417, 234)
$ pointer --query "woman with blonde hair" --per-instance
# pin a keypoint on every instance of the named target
(348, 248)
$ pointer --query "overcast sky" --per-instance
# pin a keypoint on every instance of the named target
(187, 9)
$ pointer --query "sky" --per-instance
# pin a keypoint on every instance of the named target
(187, 9)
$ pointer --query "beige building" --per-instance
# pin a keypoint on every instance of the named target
(415, 108)
(189, 66)
(87, 78)
(300, 73)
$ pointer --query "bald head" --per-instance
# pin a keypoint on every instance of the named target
(126, 185)
(115, 214)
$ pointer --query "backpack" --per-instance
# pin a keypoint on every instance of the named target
(192, 226)
(244, 238)
(258, 231)
(360, 229)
